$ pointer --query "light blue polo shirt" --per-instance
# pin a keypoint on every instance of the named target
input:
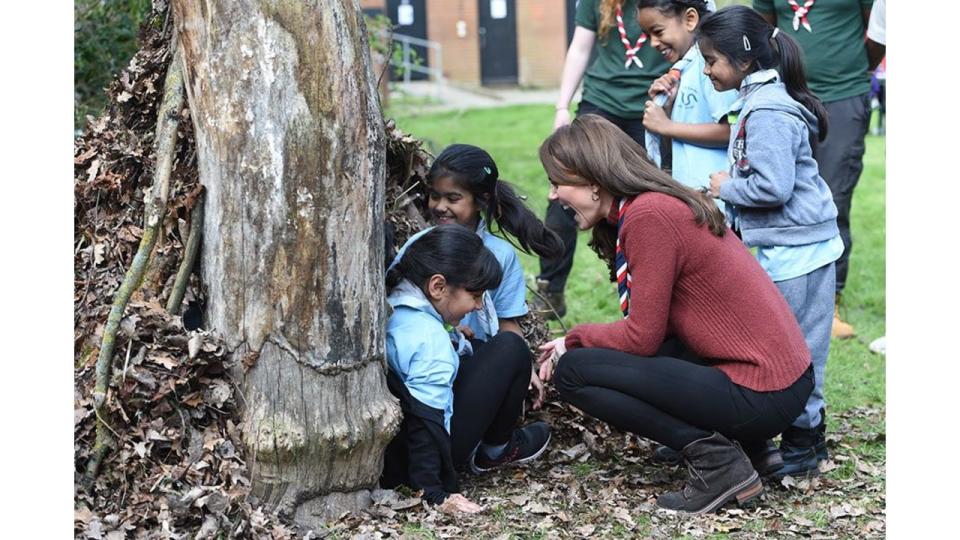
(420, 350)
(788, 262)
(698, 102)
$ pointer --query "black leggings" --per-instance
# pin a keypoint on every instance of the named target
(488, 394)
(675, 401)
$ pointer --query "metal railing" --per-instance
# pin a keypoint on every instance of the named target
(434, 71)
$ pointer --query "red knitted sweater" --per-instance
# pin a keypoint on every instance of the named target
(708, 291)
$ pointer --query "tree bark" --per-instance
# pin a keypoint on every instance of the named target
(290, 147)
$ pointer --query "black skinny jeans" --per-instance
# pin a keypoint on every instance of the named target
(488, 394)
(675, 401)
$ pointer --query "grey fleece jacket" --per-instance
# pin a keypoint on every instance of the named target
(775, 190)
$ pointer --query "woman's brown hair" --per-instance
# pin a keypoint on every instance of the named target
(591, 150)
(608, 17)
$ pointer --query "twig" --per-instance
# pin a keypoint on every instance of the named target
(155, 205)
(126, 362)
(189, 257)
(549, 305)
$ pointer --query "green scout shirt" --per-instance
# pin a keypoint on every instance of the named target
(836, 57)
(607, 83)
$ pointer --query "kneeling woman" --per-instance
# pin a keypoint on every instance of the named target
(683, 277)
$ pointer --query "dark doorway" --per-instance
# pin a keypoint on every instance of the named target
(498, 41)
(409, 18)
(571, 19)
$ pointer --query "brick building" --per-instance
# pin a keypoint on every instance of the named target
(488, 42)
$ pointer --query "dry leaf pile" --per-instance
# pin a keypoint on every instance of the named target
(177, 467)
(178, 470)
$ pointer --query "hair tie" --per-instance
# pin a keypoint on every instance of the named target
(775, 32)
(746, 43)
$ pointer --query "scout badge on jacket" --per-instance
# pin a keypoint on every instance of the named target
(740, 160)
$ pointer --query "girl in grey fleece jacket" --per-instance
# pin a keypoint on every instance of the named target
(774, 194)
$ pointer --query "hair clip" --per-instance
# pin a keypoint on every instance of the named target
(775, 32)
(487, 170)
(746, 43)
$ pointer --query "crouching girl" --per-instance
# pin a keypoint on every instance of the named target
(454, 401)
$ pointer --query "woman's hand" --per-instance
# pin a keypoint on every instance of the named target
(562, 118)
(466, 331)
(655, 119)
(717, 179)
(552, 351)
(667, 84)
(537, 385)
(456, 503)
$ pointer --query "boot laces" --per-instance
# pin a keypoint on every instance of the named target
(692, 471)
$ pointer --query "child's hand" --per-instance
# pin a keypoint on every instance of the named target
(655, 119)
(667, 83)
(537, 385)
(457, 503)
(466, 331)
(717, 179)
(552, 351)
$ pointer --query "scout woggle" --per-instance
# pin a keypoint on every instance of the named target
(800, 14)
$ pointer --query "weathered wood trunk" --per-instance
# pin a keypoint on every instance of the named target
(290, 147)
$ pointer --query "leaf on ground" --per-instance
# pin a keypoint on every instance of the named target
(624, 516)
(404, 504)
(585, 530)
(164, 360)
(538, 508)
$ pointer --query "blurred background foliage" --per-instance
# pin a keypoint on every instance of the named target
(104, 39)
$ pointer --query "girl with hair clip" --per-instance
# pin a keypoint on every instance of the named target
(775, 195)
(708, 358)
(693, 117)
(465, 188)
(451, 402)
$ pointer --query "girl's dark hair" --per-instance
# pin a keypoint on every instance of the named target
(728, 31)
(454, 252)
(591, 150)
(675, 7)
(473, 169)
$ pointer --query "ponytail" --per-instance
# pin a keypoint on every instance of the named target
(473, 169)
(512, 216)
(793, 72)
(728, 29)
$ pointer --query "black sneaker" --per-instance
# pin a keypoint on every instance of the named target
(526, 444)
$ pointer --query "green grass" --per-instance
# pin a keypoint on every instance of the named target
(512, 135)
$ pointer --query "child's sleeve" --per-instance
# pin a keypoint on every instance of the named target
(425, 460)
(718, 103)
(772, 142)
(510, 298)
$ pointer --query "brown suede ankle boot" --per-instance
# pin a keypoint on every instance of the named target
(718, 471)
(841, 329)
